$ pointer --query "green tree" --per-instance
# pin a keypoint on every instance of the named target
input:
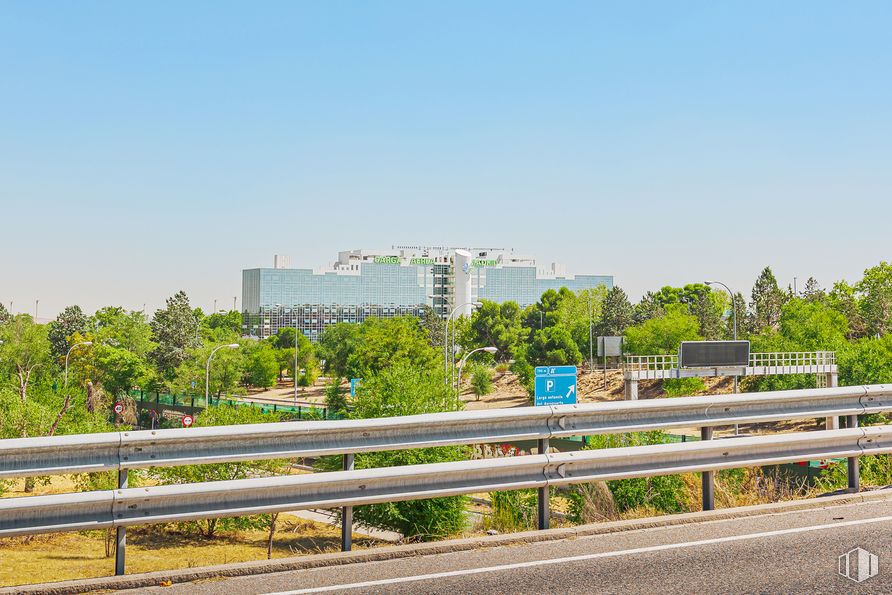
(383, 342)
(175, 331)
(5, 316)
(616, 313)
(222, 326)
(434, 325)
(875, 289)
(738, 305)
(813, 291)
(767, 301)
(650, 306)
(336, 345)
(122, 342)
(553, 346)
(664, 334)
(544, 313)
(844, 299)
(812, 326)
(866, 361)
(71, 320)
(25, 351)
(261, 366)
(497, 325)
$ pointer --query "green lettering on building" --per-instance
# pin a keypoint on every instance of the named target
(481, 262)
(387, 260)
(421, 260)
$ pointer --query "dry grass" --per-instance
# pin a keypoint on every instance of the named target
(66, 556)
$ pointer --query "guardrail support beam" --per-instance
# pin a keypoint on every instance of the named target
(544, 515)
(707, 478)
(121, 532)
(854, 471)
(347, 513)
(631, 390)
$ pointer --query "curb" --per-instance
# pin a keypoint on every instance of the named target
(186, 575)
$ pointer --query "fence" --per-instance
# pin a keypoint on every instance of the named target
(122, 451)
(198, 402)
(822, 360)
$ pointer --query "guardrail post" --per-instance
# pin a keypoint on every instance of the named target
(707, 478)
(631, 390)
(347, 513)
(120, 532)
(543, 513)
(854, 471)
(832, 423)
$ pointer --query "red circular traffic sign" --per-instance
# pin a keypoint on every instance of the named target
(119, 408)
(188, 421)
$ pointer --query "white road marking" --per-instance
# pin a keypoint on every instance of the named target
(534, 563)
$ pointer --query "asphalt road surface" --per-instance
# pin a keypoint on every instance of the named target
(791, 552)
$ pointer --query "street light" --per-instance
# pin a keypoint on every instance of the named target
(207, 370)
(733, 310)
(85, 343)
(465, 358)
(591, 356)
(446, 338)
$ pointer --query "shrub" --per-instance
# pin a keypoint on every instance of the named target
(513, 511)
(682, 387)
(481, 380)
(666, 493)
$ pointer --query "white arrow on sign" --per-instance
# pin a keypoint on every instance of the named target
(571, 390)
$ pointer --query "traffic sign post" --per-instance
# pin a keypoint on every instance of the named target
(119, 408)
(609, 347)
(555, 385)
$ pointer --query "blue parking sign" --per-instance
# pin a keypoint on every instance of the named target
(555, 385)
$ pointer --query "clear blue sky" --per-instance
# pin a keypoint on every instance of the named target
(150, 147)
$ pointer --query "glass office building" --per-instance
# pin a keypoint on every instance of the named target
(401, 281)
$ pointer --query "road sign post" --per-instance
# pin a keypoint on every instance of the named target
(611, 346)
(555, 385)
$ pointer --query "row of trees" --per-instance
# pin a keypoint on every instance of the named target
(114, 350)
(556, 329)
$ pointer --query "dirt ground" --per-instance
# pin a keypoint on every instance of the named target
(508, 392)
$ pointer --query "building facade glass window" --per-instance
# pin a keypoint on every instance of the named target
(399, 282)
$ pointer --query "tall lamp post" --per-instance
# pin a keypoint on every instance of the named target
(734, 313)
(591, 351)
(446, 338)
(70, 349)
(207, 370)
(461, 364)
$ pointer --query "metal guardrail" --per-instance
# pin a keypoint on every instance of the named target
(22, 457)
(650, 363)
(139, 506)
(141, 449)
